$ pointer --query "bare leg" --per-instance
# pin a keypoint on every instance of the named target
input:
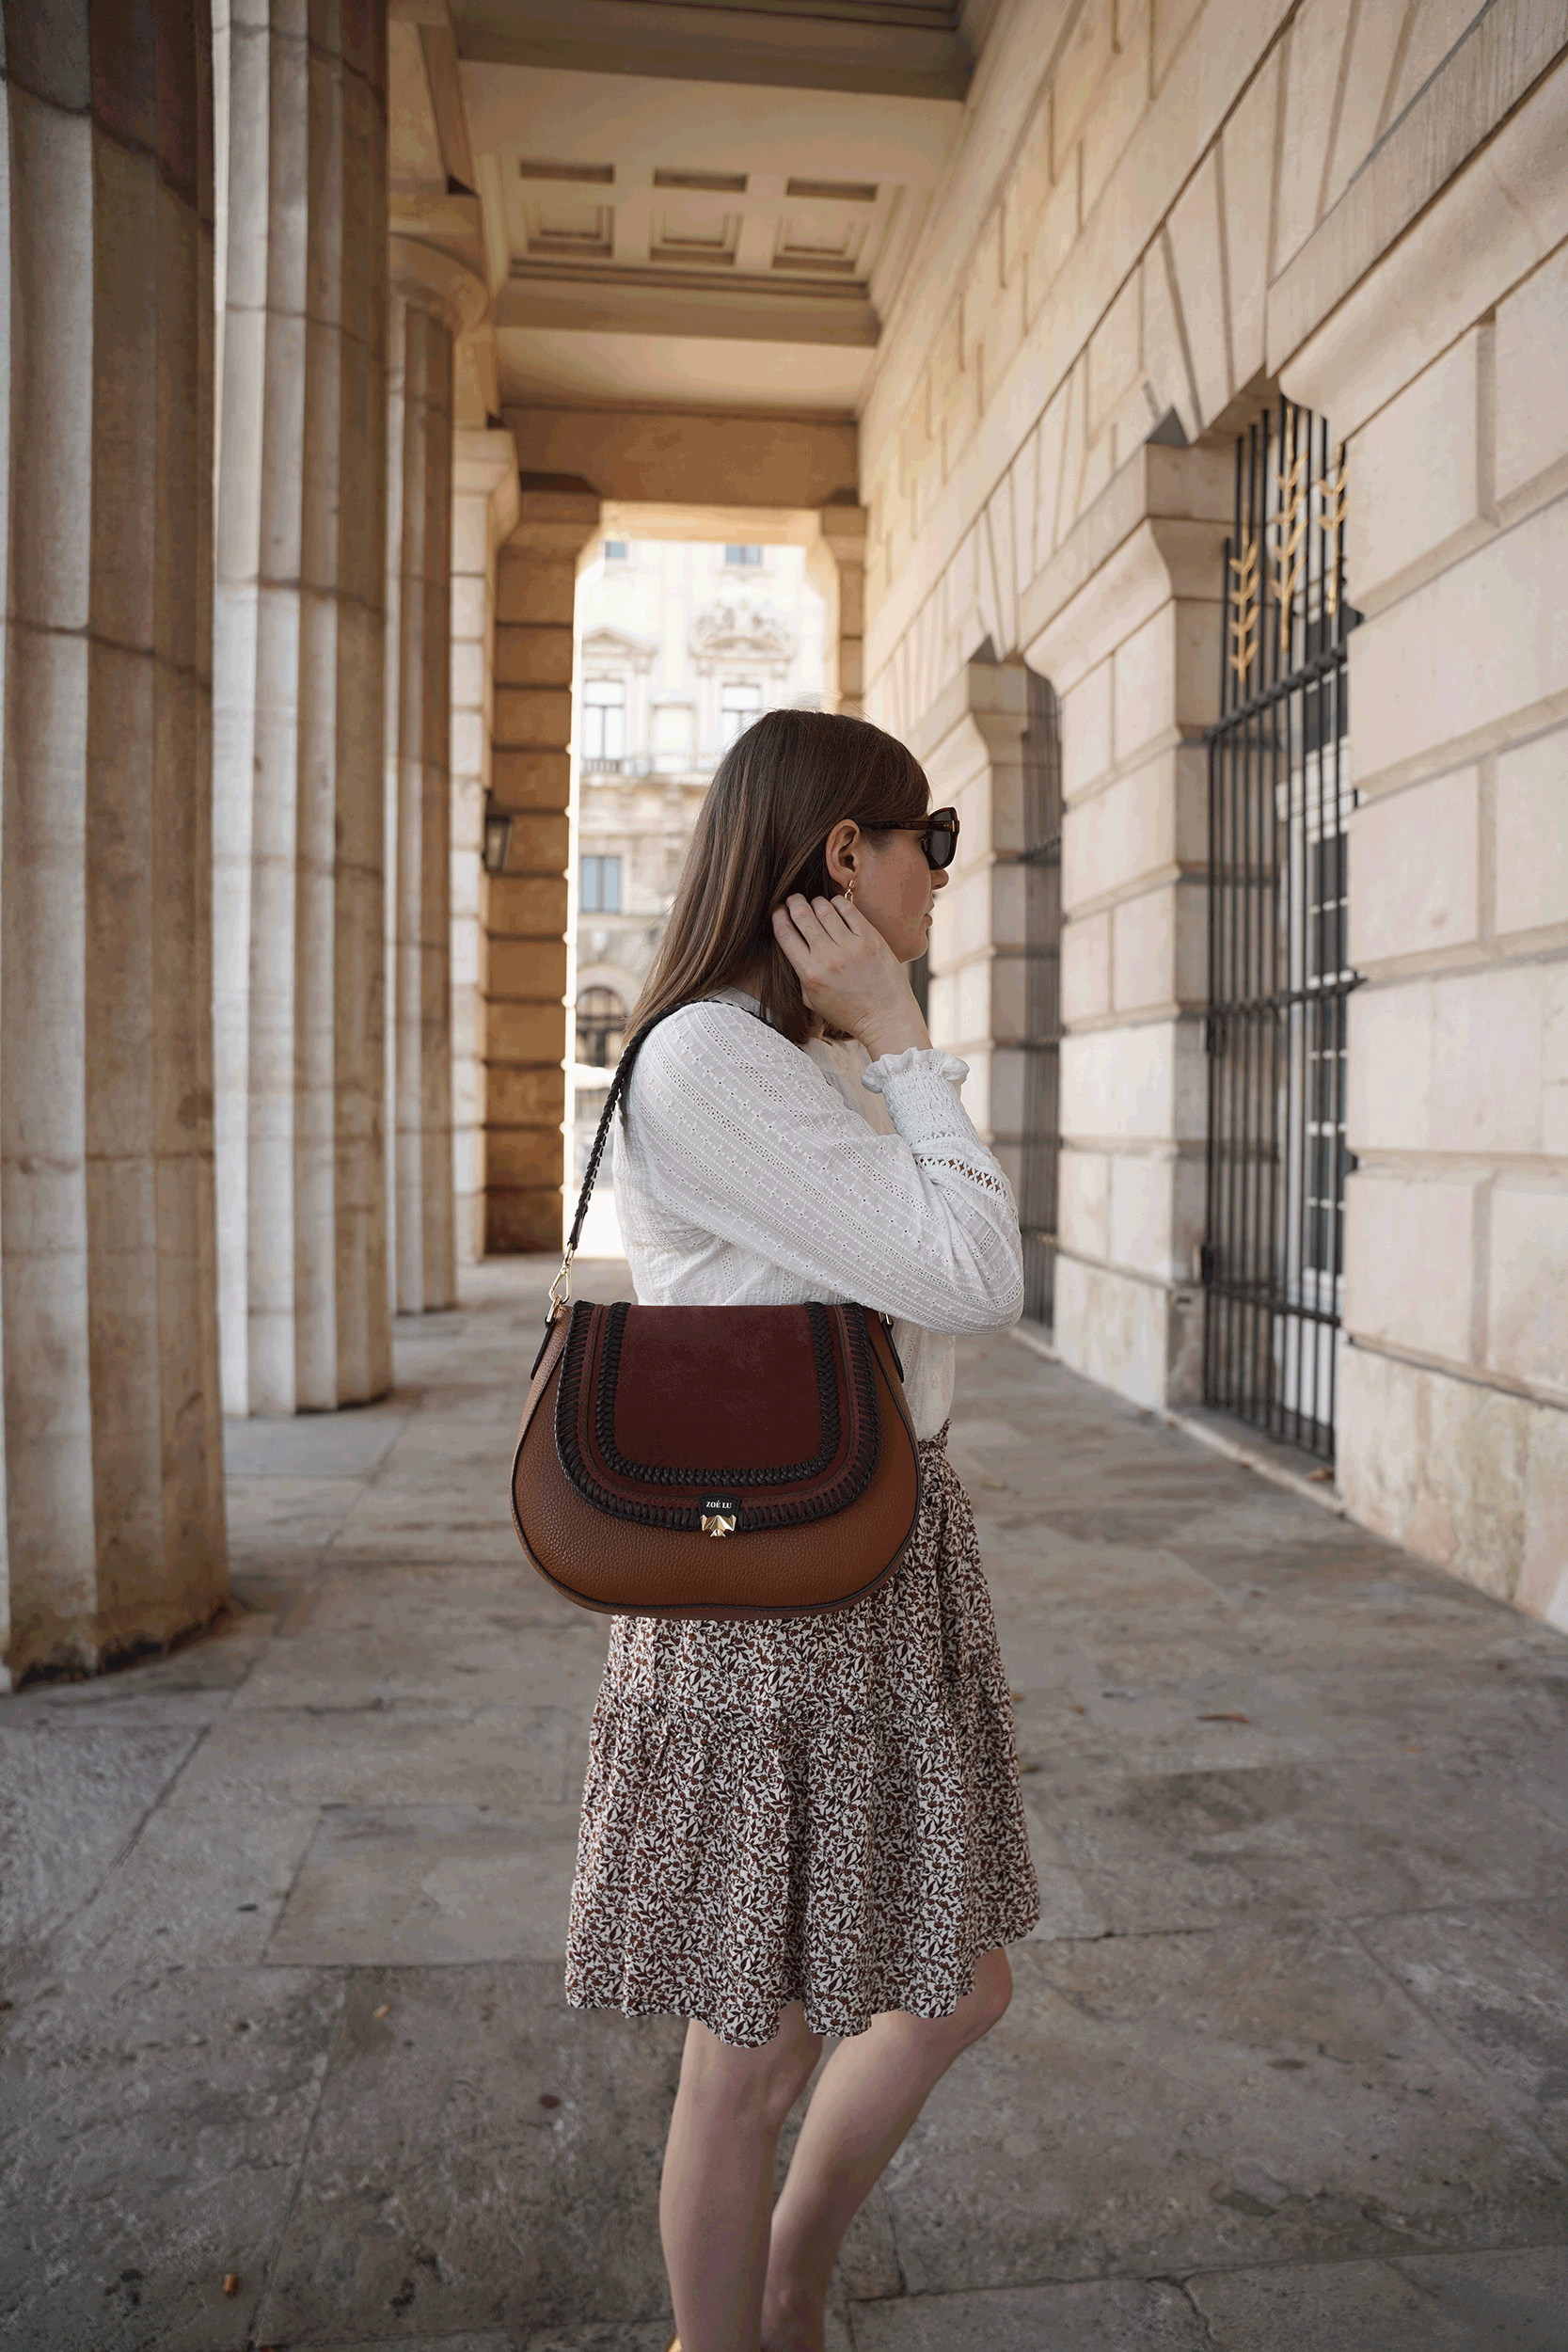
(869, 2094)
(718, 2182)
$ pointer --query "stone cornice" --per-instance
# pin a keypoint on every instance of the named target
(554, 520)
(486, 464)
(436, 280)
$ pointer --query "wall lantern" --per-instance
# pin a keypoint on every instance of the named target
(498, 835)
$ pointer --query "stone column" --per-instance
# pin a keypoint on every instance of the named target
(113, 1512)
(971, 745)
(299, 653)
(836, 569)
(1124, 623)
(433, 299)
(485, 510)
(535, 590)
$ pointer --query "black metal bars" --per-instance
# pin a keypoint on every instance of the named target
(1042, 933)
(1279, 976)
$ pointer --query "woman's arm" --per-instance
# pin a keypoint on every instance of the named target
(742, 1136)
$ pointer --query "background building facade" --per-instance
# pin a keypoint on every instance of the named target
(680, 645)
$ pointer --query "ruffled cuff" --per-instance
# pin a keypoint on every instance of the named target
(929, 1062)
(920, 1087)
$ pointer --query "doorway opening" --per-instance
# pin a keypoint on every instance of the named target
(681, 641)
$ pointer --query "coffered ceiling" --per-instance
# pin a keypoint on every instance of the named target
(682, 202)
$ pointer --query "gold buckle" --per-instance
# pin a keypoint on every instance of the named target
(560, 1289)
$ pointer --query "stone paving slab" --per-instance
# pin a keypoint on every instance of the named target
(1259, 2093)
(1493, 1982)
(1099, 2316)
(441, 2193)
(414, 1885)
(279, 1761)
(389, 1636)
(152, 2131)
(1284, 2052)
(184, 1893)
(1491, 2303)
(72, 1794)
(1184, 1849)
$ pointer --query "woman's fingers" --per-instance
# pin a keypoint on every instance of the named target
(790, 939)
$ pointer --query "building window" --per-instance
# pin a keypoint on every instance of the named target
(743, 555)
(673, 737)
(604, 723)
(614, 550)
(739, 700)
(599, 885)
(601, 1028)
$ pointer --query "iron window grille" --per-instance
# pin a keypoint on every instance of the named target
(1042, 933)
(1280, 793)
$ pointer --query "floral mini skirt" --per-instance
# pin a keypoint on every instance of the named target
(822, 1809)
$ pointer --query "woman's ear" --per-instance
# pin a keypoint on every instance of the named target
(843, 854)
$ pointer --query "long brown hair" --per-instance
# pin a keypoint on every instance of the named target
(762, 834)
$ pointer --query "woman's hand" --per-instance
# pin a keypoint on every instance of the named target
(849, 976)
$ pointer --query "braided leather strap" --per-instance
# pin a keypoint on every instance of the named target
(617, 1087)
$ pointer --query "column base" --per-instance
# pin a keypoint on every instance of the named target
(1142, 1338)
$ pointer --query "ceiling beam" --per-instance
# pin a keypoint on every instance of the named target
(680, 302)
(680, 458)
(693, 41)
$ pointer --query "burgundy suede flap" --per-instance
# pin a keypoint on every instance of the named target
(741, 1388)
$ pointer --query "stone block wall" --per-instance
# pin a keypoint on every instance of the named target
(1160, 214)
(1454, 1371)
(531, 779)
(1134, 657)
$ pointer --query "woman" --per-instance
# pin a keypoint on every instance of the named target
(808, 1826)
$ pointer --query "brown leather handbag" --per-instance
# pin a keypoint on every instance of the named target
(721, 1462)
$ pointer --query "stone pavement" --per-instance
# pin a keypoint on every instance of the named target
(1288, 2060)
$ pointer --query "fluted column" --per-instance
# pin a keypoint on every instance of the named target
(433, 299)
(484, 512)
(299, 655)
(112, 1516)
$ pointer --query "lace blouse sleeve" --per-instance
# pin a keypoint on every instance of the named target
(740, 1134)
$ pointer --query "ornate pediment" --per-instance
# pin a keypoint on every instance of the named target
(617, 645)
(735, 627)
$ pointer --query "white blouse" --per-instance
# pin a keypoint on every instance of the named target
(750, 1172)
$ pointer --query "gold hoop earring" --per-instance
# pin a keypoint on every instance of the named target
(849, 890)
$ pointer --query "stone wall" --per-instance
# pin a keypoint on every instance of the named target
(1157, 215)
(1454, 1420)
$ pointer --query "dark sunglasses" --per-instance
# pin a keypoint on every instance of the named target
(939, 834)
